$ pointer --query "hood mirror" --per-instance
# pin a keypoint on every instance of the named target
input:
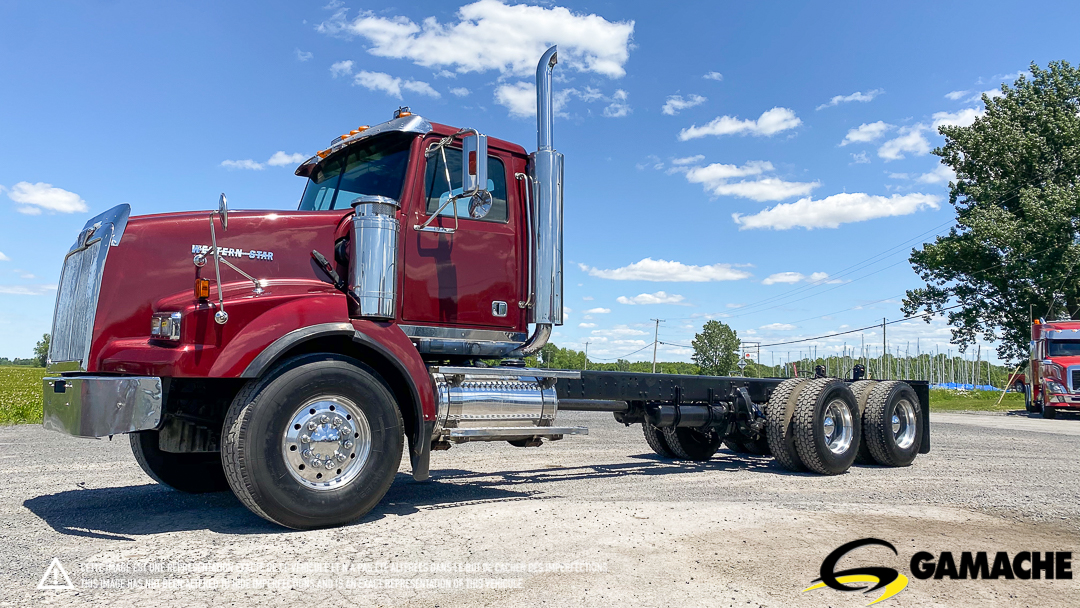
(480, 204)
(223, 211)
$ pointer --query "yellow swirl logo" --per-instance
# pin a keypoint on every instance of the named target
(887, 579)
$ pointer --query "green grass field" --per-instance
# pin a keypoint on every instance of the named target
(20, 397)
(20, 394)
(944, 400)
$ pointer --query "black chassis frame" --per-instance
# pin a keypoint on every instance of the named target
(639, 390)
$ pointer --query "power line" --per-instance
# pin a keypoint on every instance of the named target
(851, 331)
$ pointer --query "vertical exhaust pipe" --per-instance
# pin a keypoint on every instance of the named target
(546, 178)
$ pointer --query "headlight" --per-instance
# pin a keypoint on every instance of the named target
(1056, 387)
(165, 326)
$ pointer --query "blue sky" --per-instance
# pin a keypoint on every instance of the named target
(723, 159)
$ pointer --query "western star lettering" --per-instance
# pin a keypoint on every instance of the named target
(235, 253)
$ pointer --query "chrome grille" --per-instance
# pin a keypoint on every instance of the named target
(1074, 378)
(77, 294)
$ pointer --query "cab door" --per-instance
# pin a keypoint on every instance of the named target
(471, 277)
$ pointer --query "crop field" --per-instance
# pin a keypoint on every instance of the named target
(20, 394)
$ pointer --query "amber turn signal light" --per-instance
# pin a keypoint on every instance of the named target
(202, 289)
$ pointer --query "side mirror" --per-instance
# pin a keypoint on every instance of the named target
(223, 211)
(474, 162)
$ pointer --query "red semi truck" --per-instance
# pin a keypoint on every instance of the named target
(1055, 368)
(289, 355)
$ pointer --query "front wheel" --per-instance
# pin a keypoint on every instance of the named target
(316, 443)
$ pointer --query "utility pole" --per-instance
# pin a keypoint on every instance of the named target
(586, 355)
(656, 342)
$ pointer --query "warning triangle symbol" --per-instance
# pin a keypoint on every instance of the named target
(55, 577)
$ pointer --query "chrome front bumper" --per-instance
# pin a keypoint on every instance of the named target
(97, 406)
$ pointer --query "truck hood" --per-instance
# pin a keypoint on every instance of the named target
(151, 268)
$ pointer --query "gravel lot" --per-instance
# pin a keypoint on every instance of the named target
(587, 521)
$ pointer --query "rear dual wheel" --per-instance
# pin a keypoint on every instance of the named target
(681, 443)
(892, 425)
(826, 426)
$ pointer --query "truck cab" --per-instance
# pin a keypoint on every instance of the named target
(1055, 367)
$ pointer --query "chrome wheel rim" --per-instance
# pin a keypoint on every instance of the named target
(903, 424)
(837, 427)
(327, 442)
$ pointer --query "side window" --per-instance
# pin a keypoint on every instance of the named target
(435, 186)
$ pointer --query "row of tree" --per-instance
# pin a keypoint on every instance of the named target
(41, 354)
(717, 353)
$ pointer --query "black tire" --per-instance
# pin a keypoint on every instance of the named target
(742, 445)
(194, 473)
(886, 401)
(815, 399)
(654, 436)
(1048, 412)
(254, 439)
(862, 388)
(692, 444)
(778, 427)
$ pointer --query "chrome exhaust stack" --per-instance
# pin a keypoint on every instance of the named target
(546, 179)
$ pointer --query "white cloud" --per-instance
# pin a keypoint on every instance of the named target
(866, 132)
(587, 298)
(688, 160)
(859, 158)
(765, 189)
(619, 331)
(459, 91)
(281, 159)
(960, 118)
(341, 68)
(713, 76)
(520, 99)
(35, 198)
(597, 311)
(587, 325)
(618, 107)
(715, 179)
(735, 305)
(942, 174)
(910, 140)
(4, 258)
(391, 85)
(783, 277)
(676, 103)
(303, 55)
(27, 290)
(856, 96)
(665, 271)
(247, 163)
(834, 210)
(778, 327)
(798, 277)
(489, 35)
(660, 297)
(769, 123)
(954, 95)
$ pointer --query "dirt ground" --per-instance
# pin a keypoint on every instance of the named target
(588, 521)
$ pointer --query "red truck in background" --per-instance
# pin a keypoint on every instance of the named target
(1055, 368)
(289, 355)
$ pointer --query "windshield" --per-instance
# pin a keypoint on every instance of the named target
(1063, 348)
(374, 166)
